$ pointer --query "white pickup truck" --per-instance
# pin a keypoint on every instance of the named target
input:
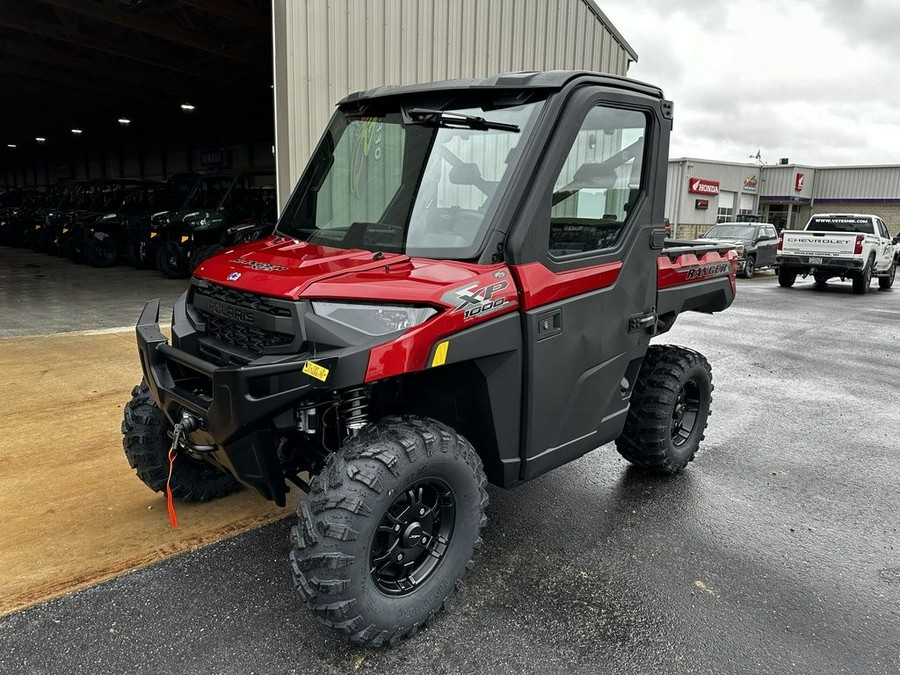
(847, 245)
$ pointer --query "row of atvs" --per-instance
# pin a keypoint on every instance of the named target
(173, 225)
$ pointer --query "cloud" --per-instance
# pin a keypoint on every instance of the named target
(809, 80)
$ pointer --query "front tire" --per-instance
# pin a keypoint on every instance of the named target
(388, 529)
(101, 252)
(749, 268)
(670, 407)
(172, 261)
(146, 442)
(786, 277)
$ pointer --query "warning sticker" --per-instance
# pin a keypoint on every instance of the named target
(316, 371)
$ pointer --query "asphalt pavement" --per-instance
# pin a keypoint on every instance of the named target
(776, 551)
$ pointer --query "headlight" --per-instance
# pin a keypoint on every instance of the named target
(373, 319)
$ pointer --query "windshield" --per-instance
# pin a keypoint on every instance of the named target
(731, 232)
(841, 224)
(419, 186)
(209, 192)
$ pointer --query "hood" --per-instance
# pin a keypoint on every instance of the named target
(731, 241)
(285, 268)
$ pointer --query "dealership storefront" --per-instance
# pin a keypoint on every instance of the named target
(701, 193)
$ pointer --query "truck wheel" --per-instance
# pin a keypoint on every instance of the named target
(786, 277)
(388, 529)
(888, 281)
(669, 409)
(749, 268)
(101, 252)
(863, 280)
(821, 281)
(172, 262)
(146, 441)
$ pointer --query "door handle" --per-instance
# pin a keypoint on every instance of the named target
(549, 324)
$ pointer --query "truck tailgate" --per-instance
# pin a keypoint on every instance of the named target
(822, 244)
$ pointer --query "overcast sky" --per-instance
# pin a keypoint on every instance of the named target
(817, 81)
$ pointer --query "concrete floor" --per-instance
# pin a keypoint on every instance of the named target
(776, 551)
(42, 294)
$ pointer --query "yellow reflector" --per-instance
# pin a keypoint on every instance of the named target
(440, 354)
(65, 229)
(184, 238)
(316, 371)
(37, 227)
(153, 234)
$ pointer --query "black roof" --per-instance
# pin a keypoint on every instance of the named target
(550, 79)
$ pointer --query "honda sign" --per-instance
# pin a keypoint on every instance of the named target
(702, 186)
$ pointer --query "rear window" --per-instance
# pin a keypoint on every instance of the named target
(841, 224)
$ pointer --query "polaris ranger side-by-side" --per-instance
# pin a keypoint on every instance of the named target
(461, 289)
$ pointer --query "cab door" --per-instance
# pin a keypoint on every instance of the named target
(588, 291)
(765, 248)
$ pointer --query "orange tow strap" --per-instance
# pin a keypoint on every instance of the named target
(170, 504)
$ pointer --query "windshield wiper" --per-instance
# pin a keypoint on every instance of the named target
(444, 118)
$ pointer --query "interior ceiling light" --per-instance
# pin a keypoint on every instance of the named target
(76, 131)
(40, 139)
(187, 106)
(124, 121)
(10, 145)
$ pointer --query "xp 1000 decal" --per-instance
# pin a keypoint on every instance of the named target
(478, 299)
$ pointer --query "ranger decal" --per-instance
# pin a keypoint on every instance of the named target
(258, 266)
(707, 270)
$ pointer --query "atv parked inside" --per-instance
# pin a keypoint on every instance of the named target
(142, 230)
(75, 229)
(462, 289)
(204, 223)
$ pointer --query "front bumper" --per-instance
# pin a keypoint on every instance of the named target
(241, 408)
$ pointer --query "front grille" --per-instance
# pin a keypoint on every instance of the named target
(241, 299)
(241, 335)
(219, 308)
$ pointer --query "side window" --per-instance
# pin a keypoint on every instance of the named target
(883, 229)
(770, 232)
(599, 182)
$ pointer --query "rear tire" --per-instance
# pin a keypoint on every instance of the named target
(141, 255)
(358, 557)
(786, 277)
(863, 280)
(885, 283)
(146, 442)
(670, 407)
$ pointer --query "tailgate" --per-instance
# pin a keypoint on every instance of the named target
(822, 244)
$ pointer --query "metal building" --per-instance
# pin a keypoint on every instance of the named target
(700, 193)
(325, 49)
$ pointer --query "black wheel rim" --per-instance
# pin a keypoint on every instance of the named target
(413, 537)
(685, 413)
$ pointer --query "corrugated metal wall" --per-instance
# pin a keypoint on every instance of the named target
(325, 49)
(863, 182)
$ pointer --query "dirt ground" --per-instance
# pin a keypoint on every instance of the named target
(74, 513)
